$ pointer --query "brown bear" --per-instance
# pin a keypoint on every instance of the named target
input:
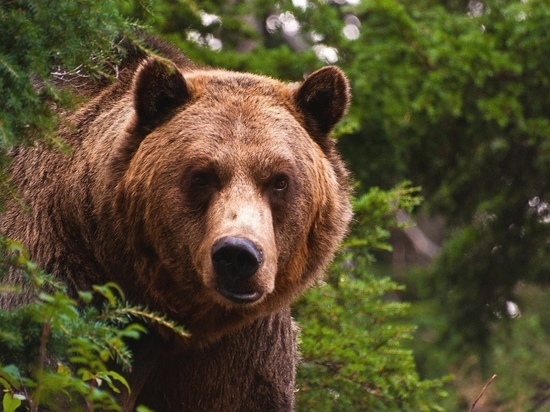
(211, 196)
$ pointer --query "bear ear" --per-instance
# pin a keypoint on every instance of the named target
(324, 97)
(159, 89)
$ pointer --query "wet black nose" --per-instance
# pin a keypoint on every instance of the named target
(236, 258)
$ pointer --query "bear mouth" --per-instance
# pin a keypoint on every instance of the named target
(240, 297)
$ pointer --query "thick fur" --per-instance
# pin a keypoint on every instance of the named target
(164, 163)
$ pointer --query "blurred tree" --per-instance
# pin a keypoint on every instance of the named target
(457, 100)
(457, 103)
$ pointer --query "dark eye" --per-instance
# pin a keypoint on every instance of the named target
(200, 180)
(280, 183)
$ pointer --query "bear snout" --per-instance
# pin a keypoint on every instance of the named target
(235, 260)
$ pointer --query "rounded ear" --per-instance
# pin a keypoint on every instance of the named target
(159, 89)
(324, 97)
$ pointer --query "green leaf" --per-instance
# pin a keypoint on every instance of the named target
(86, 297)
(116, 376)
(10, 376)
(10, 402)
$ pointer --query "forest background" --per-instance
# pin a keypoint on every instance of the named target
(451, 105)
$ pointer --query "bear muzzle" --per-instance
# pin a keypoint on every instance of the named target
(235, 260)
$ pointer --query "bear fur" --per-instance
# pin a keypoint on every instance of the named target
(211, 196)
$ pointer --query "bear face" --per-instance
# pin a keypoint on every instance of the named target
(227, 191)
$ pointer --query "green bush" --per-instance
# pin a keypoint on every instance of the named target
(353, 334)
(61, 353)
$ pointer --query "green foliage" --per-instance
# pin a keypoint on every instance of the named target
(60, 353)
(39, 42)
(374, 216)
(352, 335)
(457, 101)
(521, 345)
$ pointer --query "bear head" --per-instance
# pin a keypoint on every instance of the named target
(230, 194)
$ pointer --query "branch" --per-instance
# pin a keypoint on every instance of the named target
(482, 392)
(420, 241)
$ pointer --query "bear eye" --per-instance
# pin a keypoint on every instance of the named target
(280, 183)
(200, 180)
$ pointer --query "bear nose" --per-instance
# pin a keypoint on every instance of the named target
(236, 258)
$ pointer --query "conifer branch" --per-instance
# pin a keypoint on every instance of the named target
(152, 317)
